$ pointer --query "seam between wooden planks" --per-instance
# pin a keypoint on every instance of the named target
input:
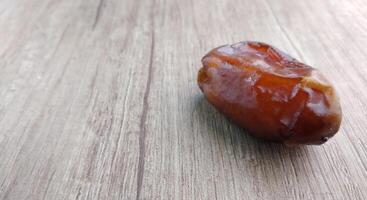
(142, 126)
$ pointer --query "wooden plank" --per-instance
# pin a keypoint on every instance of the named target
(100, 101)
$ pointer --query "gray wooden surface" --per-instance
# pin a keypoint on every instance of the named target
(99, 100)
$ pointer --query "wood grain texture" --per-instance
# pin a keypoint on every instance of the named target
(99, 100)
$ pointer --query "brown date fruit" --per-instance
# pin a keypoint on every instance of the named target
(270, 94)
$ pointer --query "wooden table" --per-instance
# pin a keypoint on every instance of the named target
(99, 100)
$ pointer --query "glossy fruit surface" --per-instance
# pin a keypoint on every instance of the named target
(270, 94)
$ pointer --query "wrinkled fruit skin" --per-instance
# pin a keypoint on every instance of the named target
(270, 94)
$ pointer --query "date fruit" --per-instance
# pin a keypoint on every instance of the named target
(270, 94)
